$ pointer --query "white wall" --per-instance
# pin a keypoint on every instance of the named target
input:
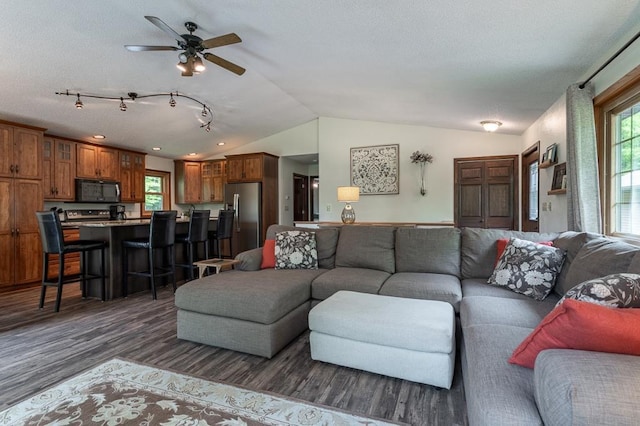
(337, 136)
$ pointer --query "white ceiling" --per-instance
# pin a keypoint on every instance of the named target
(438, 63)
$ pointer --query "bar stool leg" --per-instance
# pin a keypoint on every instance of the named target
(190, 259)
(60, 276)
(102, 274)
(172, 261)
(125, 272)
(83, 273)
(153, 274)
(45, 276)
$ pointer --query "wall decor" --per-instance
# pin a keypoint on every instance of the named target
(552, 153)
(559, 172)
(375, 169)
(421, 158)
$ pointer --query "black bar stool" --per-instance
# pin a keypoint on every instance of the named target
(224, 231)
(198, 234)
(162, 233)
(53, 243)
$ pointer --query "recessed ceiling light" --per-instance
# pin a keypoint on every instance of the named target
(192, 154)
(156, 148)
(99, 137)
(220, 143)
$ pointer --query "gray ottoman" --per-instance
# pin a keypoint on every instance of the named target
(409, 339)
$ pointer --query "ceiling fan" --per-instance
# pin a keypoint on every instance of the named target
(192, 47)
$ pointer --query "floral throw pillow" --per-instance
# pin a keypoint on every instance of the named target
(296, 250)
(528, 268)
(614, 291)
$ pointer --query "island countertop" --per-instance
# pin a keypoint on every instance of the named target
(112, 223)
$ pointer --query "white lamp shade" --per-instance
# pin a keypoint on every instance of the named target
(348, 194)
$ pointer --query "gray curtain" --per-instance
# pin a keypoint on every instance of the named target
(583, 191)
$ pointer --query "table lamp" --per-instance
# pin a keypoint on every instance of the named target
(348, 194)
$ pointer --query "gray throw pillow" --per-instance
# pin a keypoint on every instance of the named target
(296, 250)
(615, 291)
(528, 268)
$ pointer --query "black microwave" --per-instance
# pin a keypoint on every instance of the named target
(97, 191)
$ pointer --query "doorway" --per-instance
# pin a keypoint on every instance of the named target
(530, 189)
(300, 198)
(486, 192)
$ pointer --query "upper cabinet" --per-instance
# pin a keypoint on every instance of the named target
(132, 169)
(59, 169)
(97, 162)
(247, 167)
(21, 150)
(213, 180)
(188, 182)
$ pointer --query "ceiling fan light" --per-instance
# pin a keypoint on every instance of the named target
(182, 66)
(123, 106)
(490, 125)
(79, 103)
(183, 57)
(198, 66)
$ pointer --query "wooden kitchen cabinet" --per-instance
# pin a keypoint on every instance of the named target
(246, 167)
(59, 169)
(20, 151)
(188, 182)
(213, 180)
(97, 162)
(71, 260)
(132, 170)
(21, 259)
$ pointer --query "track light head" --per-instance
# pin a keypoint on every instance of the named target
(79, 103)
(123, 106)
(172, 102)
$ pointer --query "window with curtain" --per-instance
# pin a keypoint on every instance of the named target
(157, 194)
(619, 127)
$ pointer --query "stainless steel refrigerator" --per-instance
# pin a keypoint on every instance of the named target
(246, 200)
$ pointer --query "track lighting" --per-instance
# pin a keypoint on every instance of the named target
(206, 111)
(198, 66)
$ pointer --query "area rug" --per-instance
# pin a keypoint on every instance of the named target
(123, 392)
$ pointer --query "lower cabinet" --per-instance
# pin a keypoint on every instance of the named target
(71, 260)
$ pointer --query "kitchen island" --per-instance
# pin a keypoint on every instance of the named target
(116, 231)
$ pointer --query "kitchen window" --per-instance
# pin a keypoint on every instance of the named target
(157, 195)
(619, 140)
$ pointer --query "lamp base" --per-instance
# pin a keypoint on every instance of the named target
(348, 214)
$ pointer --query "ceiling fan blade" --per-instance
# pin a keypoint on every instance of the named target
(223, 40)
(139, 48)
(224, 63)
(164, 27)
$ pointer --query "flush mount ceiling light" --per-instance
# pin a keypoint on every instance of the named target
(132, 96)
(99, 137)
(220, 143)
(490, 125)
(156, 148)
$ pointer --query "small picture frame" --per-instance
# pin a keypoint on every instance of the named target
(544, 158)
(551, 153)
(559, 174)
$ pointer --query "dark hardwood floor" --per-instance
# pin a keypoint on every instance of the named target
(40, 348)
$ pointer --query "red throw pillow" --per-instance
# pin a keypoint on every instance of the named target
(501, 244)
(585, 326)
(268, 254)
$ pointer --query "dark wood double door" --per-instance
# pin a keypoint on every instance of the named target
(486, 192)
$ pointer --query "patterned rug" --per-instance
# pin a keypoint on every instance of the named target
(122, 392)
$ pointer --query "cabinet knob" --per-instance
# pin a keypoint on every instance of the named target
(17, 169)
(17, 231)
(11, 168)
(56, 191)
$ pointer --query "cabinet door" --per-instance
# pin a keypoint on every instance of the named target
(139, 169)
(126, 176)
(217, 189)
(48, 184)
(108, 164)
(207, 189)
(6, 151)
(64, 170)
(253, 168)
(28, 247)
(192, 183)
(7, 246)
(86, 161)
(28, 153)
(235, 169)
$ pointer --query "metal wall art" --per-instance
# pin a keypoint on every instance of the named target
(375, 169)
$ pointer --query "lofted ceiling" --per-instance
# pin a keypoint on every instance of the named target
(434, 63)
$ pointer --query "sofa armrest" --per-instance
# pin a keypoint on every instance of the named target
(250, 260)
(581, 387)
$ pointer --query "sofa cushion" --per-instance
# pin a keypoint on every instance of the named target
(472, 287)
(585, 326)
(326, 241)
(579, 388)
(571, 242)
(370, 247)
(354, 279)
(435, 250)
(616, 291)
(598, 258)
(485, 310)
(478, 248)
(414, 285)
(497, 392)
(262, 296)
(296, 250)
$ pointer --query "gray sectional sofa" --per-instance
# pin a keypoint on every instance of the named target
(259, 311)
